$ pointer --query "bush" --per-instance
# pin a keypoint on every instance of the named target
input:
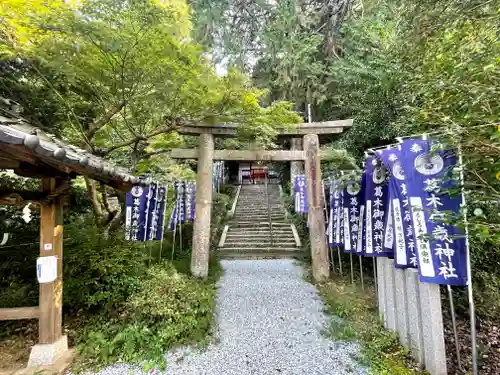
(168, 309)
(99, 273)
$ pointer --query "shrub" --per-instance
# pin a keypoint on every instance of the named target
(99, 273)
(168, 309)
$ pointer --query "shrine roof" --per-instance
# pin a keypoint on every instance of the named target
(31, 152)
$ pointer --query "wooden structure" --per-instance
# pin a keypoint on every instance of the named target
(32, 153)
(310, 154)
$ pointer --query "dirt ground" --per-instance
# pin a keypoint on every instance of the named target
(488, 334)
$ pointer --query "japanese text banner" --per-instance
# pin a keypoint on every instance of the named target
(136, 213)
(300, 195)
(404, 243)
(440, 247)
(376, 195)
(161, 202)
(353, 198)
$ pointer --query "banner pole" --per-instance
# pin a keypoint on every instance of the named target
(472, 311)
(454, 322)
(163, 223)
(340, 261)
(173, 244)
(180, 238)
(375, 279)
(361, 272)
(352, 268)
(332, 259)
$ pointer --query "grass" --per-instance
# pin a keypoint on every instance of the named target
(355, 317)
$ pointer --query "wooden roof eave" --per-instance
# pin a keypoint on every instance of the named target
(40, 157)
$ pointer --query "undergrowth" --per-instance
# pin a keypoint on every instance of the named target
(168, 309)
(355, 317)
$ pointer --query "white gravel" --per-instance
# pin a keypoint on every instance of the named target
(269, 321)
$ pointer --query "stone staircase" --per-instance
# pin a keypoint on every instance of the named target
(247, 236)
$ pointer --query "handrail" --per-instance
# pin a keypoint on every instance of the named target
(269, 214)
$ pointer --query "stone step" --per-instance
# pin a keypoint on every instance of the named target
(243, 227)
(243, 236)
(253, 245)
(258, 250)
(254, 208)
(260, 210)
(261, 197)
(258, 224)
(260, 203)
(252, 256)
(257, 214)
(279, 242)
(248, 234)
(258, 207)
(262, 234)
(256, 221)
(258, 218)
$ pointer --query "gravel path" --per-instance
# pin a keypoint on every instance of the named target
(269, 321)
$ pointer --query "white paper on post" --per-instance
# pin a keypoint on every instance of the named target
(46, 269)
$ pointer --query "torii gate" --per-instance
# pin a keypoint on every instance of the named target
(309, 154)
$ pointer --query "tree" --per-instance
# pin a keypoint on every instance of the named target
(124, 76)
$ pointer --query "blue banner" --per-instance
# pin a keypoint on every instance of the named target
(173, 221)
(136, 213)
(388, 224)
(300, 195)
(376, 198)
(190, 201)
(336, 213)
(161, 204)
(330, 229)
(404, 243)
(351, 210)
(180, 189)
(440, 247)
(360, 244)
(152, 219)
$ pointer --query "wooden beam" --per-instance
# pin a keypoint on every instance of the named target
(230, 130)
(18, 313)
(243, 155)
(51, 234)
(326, 127)
(15, 197)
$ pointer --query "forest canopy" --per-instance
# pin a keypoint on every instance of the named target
(118, 77)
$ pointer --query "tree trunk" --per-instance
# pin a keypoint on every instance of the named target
(94, 199)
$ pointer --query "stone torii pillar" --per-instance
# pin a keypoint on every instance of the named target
(317, 235)
(201, 227)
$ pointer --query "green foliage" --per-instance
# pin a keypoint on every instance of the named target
(167, 309)
(397, 68)
(431, 67)
(355, 318)
(99, 273)
(123, 73)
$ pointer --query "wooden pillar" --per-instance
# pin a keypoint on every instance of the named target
(319, 250)
(51, 244)
(296, 167)
(201, 228)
